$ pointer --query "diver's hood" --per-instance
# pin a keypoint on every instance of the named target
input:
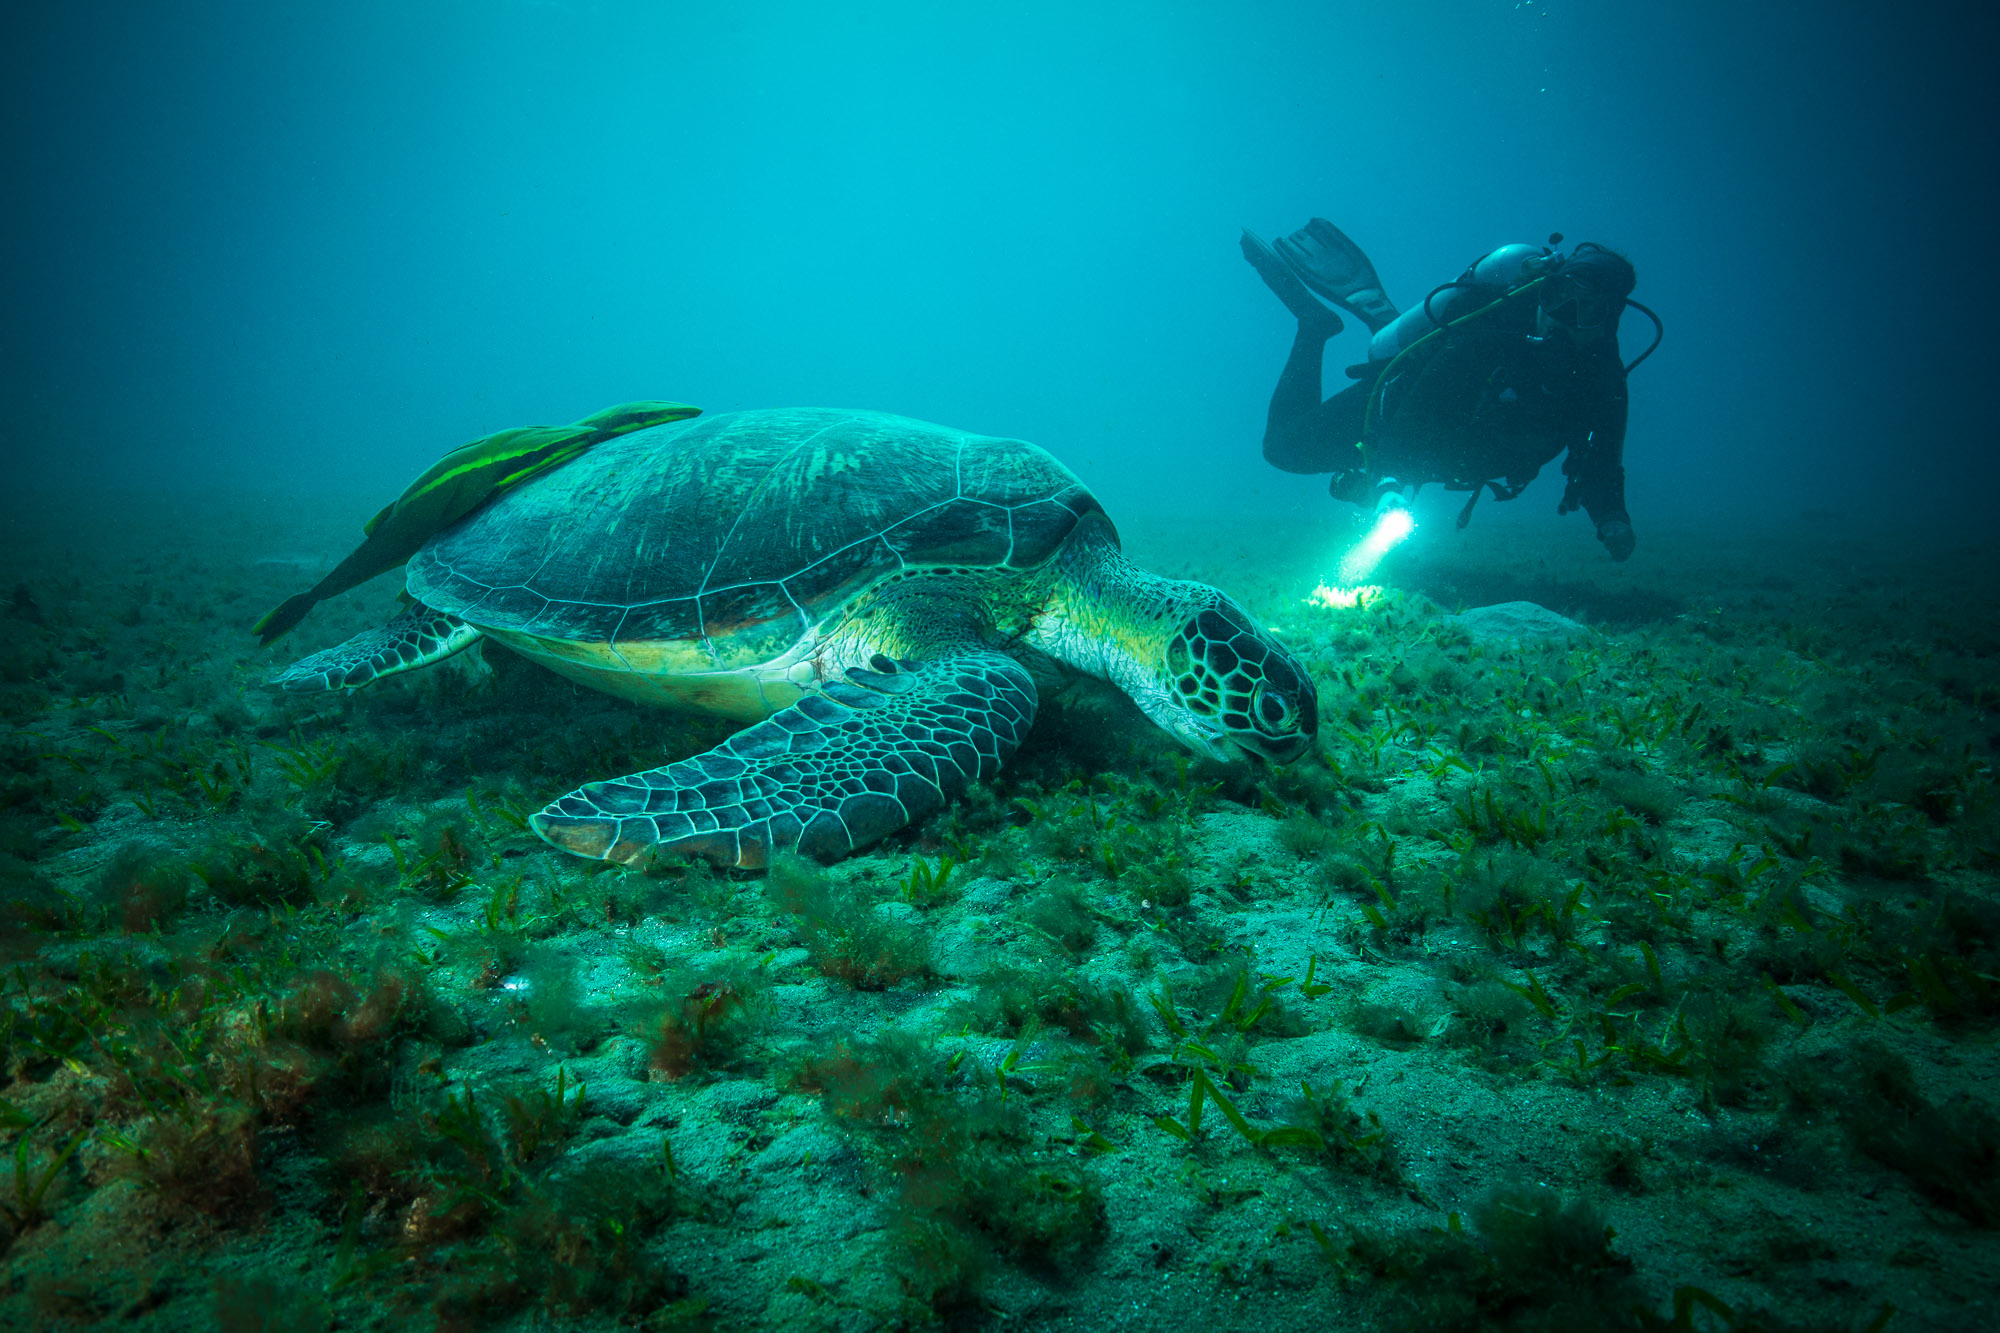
(1587, 291)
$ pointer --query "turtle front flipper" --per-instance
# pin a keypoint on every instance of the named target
(417, 637)
(833, 773)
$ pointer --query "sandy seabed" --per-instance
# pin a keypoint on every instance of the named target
(1639, 977)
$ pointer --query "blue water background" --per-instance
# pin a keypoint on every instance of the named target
(311, 246)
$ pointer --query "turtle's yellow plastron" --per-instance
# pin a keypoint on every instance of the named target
(457, 484)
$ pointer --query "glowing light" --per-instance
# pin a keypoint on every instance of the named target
(1341, 599)
(1391, 527)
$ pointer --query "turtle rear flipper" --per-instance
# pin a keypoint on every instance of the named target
(831, 774)
(417, 637)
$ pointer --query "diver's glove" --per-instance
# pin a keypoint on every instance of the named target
(1617, 536)
(1352, 486)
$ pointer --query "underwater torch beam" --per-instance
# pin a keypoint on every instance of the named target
(1391, 527)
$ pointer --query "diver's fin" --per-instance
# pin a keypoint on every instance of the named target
(1326, 261)
(1278, 276)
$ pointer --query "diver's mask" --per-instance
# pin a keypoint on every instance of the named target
(1569, 299)
(1585, 294)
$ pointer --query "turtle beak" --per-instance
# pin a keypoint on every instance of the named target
(1202, 735)
(1222, 749)
(1208, 739)
(1288, 749)
(1225, 747)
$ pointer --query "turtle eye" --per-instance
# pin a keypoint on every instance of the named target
(1273, 713)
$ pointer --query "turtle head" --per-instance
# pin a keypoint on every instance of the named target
(1234, 691)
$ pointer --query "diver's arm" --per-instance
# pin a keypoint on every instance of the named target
(1596, 462)
(1602, 493)
(1596, 471)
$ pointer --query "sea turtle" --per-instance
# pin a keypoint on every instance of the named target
(453, 487)
(856, 585)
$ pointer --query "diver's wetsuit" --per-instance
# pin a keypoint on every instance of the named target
(1485, 400)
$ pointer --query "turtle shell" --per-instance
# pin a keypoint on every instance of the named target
(739, 532)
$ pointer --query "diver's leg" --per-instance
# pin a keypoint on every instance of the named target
(1304, 435)
(1290, 442)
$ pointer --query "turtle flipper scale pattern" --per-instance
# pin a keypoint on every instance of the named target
(833, 773)
(418, 637)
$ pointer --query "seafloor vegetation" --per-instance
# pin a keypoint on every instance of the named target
(1644, 978)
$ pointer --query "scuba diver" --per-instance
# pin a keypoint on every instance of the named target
(1477, 387)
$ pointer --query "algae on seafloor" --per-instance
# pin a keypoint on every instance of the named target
(1643, 978)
